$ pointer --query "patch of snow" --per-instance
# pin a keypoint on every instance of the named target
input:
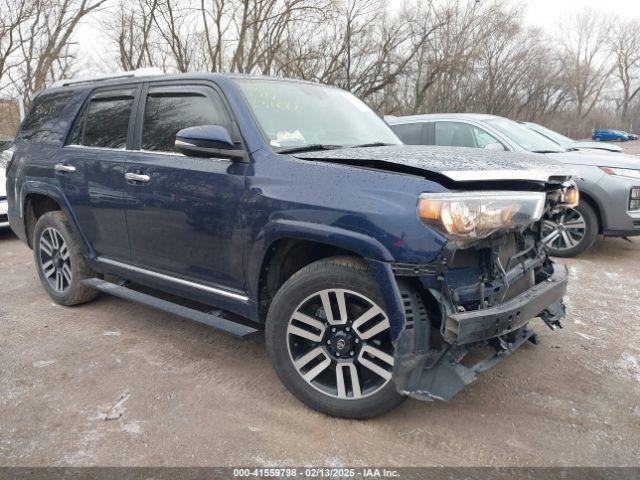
(43, 363)
(132, 428)
(630, 364)
(588, 337)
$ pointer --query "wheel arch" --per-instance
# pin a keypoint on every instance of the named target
(595, 205)
(38, 198)
(289, 246)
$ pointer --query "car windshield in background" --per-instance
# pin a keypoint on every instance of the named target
(523, 136)
(296, 115)
(560, 139)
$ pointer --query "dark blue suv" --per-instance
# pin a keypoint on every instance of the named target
(244, 203)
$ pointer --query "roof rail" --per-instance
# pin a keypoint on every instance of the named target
(141, 72)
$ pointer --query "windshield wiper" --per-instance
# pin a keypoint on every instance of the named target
(313, 147)
(372, 144)
(547, 151)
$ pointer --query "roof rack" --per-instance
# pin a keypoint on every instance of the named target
(141, 72)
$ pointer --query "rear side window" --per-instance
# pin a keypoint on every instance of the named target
(104, 123)
(43, 124)
(165, 114)
(410, 133)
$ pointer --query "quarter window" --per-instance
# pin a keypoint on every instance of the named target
(43, 123)
(166, 114)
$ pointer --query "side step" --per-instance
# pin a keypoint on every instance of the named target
(209, 319)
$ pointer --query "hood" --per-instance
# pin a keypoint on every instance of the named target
(457, 164)
(597, 159)
(598, 146)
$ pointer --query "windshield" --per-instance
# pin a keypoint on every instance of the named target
(295, 114)
(523, 136)
(554, 136)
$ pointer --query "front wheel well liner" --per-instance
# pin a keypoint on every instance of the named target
(284, 258)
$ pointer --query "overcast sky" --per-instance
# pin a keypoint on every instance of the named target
(541, 12)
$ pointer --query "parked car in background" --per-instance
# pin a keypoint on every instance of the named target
(632, 136)
(609, 135)
(374, 267)
(568, 143)
(609, 184)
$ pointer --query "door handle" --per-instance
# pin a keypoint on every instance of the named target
(137, 177)
(63, 167)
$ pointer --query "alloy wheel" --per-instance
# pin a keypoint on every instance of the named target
(55, 260)
(340, 343)
(564, 230)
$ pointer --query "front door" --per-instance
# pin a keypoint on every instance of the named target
(91, 170)
(185, 217)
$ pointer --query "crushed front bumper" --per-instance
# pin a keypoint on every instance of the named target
(439, 373)
(479, 325)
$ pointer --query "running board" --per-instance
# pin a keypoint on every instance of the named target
(215, 321)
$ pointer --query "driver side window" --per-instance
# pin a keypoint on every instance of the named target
(457, 134)
(167, 113)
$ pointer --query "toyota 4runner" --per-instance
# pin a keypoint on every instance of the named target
(246, 203)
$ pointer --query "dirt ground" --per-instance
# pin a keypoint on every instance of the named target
(115, 383)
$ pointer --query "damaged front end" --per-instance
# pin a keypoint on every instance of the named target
(470, 309)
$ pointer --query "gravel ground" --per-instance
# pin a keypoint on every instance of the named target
(115, 383)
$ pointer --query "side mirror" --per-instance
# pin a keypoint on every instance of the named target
(207, 141)
(495, 146)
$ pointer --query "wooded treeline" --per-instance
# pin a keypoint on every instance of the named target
(420, 56)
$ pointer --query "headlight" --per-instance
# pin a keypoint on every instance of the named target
(466, 217)
(570, 195)
(621, 172)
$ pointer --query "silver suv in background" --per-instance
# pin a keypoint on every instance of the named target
(609, 184)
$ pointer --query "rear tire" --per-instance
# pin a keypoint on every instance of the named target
(59, 260)
(351, 373)
(570, 233)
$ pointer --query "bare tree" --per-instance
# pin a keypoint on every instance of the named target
(131, 31)
(46, 43)
(584, 59)
(15, 14)
(625, 46)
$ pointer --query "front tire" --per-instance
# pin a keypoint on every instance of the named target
(59, 260)
(329, 340)
(571, 232)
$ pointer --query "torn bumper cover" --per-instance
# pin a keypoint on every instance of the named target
(438, 373)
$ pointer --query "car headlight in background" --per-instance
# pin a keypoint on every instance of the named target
(470, 216)
(634, 199)
(621, 172)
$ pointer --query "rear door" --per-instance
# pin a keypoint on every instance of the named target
(184, 216)
(91, 169)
